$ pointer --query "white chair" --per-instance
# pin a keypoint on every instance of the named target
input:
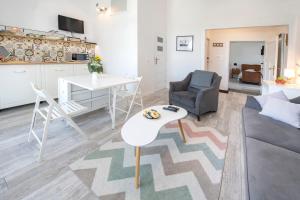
(52, 112)
(135, 95)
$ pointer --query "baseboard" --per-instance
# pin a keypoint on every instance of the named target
(224, 91)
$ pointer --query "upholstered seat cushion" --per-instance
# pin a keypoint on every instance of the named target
(271, 131)
(201, 79)
(195, 90)
(273, 172)
(187, 98)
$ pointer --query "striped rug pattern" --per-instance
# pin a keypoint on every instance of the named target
(170, 169)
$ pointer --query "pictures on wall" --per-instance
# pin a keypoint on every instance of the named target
(160, 41)
(185, 43)
(218, 44)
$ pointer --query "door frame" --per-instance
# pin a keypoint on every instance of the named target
(276, 59)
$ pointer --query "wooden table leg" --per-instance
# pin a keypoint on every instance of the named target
(181, 131)
(137, 166)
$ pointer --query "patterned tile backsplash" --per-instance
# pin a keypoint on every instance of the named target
(30, 49)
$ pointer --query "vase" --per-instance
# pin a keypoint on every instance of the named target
(95, 76)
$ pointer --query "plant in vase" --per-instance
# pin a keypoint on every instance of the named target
(95, 67)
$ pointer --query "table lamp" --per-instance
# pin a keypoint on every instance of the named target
(289, 74)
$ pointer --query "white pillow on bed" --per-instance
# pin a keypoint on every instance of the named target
(284, 111)
(278, 95)
(250, 70)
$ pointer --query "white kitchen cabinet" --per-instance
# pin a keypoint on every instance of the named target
(51, 74)
(93, 100)
(15, 89)
(81, 69)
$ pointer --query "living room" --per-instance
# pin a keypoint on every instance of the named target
(113, 99)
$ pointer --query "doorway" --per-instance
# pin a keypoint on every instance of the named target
(262, 59)
(246, 65)
(152, 45)
(207, 45)
(270, 60)
(159, 63)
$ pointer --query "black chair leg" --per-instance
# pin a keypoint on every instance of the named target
(198, 117)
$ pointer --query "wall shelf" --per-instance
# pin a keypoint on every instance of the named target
(42, 37)
(32, 46)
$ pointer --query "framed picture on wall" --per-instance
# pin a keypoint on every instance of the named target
(185, 43)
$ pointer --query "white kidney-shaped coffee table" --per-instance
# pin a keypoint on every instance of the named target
(139, 131)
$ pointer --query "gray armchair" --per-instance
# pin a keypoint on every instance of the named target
(198, 93)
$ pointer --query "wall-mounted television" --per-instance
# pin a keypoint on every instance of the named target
(70, 24)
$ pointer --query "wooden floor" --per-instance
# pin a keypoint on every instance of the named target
(22, 177)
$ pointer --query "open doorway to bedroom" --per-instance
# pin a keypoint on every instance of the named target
(246, 61)
(246, 57)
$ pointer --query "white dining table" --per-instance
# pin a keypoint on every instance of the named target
(105, 81)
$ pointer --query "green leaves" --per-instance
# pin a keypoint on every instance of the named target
(95, 65)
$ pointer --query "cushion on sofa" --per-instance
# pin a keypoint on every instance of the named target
(185, 97)
(284, 111)
(273, 172)
(271, 131)
(263, 99)
(201, 79)
(251, 102)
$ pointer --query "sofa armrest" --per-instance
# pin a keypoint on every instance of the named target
(296, 100)
(253, 103)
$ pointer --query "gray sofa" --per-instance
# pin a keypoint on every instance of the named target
(198, 93)
(272, 156)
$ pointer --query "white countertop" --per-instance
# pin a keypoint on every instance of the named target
(42, 63)
(105, 81)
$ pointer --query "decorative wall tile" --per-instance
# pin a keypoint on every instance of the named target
(39, 50)
(19, 53)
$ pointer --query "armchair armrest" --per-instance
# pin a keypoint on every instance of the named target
(177, 86)
(180, 85)
(205, 93)
(207, 99)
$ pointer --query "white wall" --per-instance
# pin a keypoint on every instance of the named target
(219, 56)
(150, 25)
(42, 15)
(297, 43)
(118, 40)
(245, 53)
(115, 35)
(193, 17)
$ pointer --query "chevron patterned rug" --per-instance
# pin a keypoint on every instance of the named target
(170, 169)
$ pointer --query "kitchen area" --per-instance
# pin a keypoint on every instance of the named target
(29, 56)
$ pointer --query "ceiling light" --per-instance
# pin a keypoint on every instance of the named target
(101, 9)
